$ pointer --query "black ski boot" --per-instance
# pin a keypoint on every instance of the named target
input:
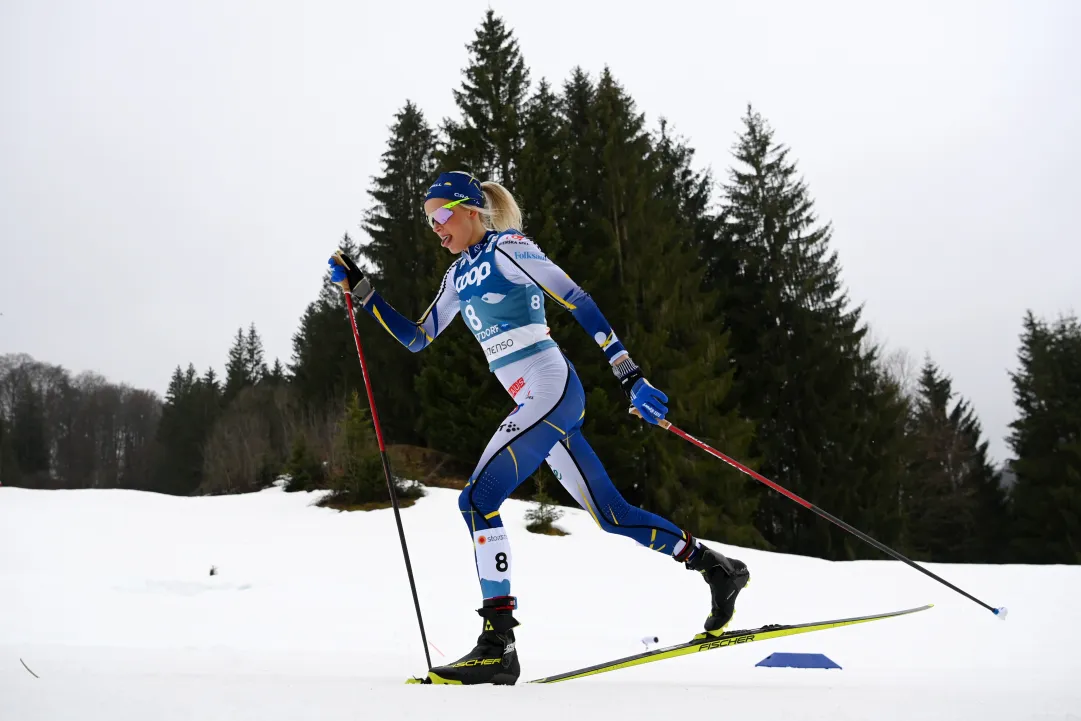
(494, 659)
(726, 578)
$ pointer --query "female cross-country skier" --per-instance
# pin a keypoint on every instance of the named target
(498, 285)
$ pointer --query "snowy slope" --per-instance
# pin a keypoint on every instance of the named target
(106, 596)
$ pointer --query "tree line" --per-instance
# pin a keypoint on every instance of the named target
(725, 290)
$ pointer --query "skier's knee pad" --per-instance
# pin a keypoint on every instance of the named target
(616, 512)
(479, 502)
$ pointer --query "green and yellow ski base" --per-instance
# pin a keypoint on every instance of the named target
(699, 643)
(730, 638)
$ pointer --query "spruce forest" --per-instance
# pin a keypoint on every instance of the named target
(724, 289)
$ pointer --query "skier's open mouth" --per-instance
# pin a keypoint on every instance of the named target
(446, 241)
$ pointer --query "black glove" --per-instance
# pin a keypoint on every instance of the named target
(345, 273)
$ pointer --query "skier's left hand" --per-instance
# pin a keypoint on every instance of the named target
(644, 396)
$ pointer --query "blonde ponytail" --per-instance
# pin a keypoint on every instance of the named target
(501, 211)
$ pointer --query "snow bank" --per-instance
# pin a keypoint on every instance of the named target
(107, 596)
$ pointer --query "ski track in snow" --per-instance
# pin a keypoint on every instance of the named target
(106, 596)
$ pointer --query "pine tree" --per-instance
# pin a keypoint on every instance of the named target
(208, 397)
(178, 386)
(1046, 437)
(402, 250)
(192, 405)
(539, 518)
(542, 182)
(582, 174)
(951, 509)
(277, 374)
(305, 470)
(828, 425)
(175, 467)
(236, 367)
(356, 474)
(462, 402)
(324, 365)
(489, 137)
(641, 214)
(211, 382)
(487, 142)
(406, 260)
(245, 366)
(254, 366)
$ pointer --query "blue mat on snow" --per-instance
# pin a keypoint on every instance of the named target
(797, 660)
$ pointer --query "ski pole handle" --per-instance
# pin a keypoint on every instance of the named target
(344, 282)
(662, 423)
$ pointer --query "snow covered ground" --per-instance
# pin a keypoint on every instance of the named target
(105, 595)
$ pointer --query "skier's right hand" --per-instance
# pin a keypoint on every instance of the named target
(348, 275)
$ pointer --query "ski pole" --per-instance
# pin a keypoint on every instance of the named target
(386, 465)
(667, 425)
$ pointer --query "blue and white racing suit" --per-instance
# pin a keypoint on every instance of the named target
(498, 286)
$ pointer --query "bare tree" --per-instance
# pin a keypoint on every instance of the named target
(896, 363)
(250, 443)
(93, 429)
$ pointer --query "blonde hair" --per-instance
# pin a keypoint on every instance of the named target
(500, 211)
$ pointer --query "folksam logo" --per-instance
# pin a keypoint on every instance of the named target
(529, 255)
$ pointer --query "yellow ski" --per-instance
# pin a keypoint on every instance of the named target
(702, 642)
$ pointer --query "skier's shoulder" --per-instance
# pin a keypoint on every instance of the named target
(511, 236)
(518, 246)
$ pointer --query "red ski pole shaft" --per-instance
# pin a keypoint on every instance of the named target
(386, 471)
(367, 380)
(668, 426)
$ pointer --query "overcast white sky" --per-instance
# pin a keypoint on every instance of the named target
(171, 171)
